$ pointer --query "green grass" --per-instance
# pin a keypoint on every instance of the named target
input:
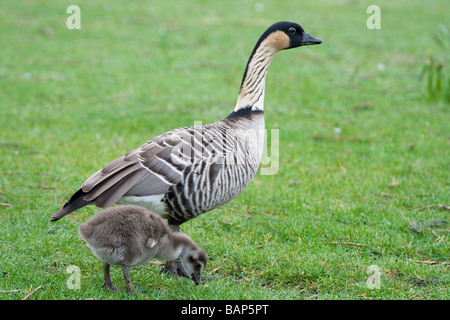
(73, 100)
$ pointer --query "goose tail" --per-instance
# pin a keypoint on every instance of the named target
(76, 202)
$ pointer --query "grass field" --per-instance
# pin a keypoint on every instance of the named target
(364, 155)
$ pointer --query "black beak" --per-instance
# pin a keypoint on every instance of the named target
(309, 40)
(196, 278)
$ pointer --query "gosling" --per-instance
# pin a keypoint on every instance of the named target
(131, 235)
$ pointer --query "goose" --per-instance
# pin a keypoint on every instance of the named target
(131, 235)
(191, 170)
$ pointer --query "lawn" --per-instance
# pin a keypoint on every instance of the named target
(362, 189)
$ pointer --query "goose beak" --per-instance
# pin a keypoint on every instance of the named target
(310, 40)
(196, 278)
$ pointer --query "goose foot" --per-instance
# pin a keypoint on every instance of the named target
(174, 268)
(109, 286)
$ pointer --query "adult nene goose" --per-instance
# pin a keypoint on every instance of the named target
(187, 171)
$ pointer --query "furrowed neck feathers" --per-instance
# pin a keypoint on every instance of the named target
(251, 94)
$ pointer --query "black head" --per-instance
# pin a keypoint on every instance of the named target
(287, 35)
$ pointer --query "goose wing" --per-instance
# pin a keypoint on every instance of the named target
(148, 170)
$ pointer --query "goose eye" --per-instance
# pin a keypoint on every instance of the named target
(292, 30)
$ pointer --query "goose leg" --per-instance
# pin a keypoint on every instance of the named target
(174, 268)
(126, 275)
(107, 283)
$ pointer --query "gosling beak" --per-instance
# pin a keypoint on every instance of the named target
(196, 278)
(310, 40)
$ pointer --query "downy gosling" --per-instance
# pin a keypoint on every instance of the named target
(131, 235)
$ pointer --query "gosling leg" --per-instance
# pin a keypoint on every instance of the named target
(107, 283)
(126, 275)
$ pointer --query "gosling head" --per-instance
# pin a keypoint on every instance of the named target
(194, 262)
(287, 35)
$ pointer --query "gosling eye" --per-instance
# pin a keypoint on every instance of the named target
(198, 266)
(292, 30)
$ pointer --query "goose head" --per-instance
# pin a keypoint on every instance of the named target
(194, 262)
(287, 35)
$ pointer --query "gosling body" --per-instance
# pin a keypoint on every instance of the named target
(131, 235)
